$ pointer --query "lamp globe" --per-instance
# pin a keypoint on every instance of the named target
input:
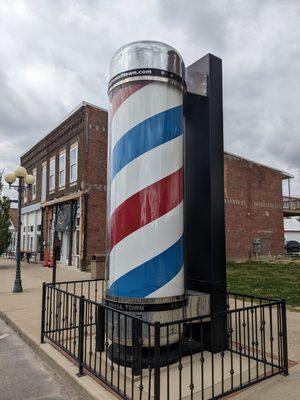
(29, 179)
(20, 172)
(10, 178)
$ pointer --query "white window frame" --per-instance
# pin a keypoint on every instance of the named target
(44, 182)
(62, 169)
(34, 186)
(52, 174)
(73, 180)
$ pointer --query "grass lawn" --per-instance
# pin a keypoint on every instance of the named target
(279, 280)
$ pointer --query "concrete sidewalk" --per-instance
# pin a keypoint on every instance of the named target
(23, 311)
(19, 306)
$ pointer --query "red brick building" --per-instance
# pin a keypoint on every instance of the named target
(69, 196)
(253, 208)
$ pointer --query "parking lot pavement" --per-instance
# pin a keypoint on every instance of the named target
(23, 375)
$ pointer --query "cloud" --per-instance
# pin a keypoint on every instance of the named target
(56, 54)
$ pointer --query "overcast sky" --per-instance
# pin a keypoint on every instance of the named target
(56, 53)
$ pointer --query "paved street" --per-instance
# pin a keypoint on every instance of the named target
(23, 375)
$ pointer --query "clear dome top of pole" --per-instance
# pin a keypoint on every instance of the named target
(149, 55)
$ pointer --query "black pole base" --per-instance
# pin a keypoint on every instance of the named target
(122, 355)
(17, 286)
(213, 334)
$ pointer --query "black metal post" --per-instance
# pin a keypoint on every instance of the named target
(43, 313)
(55, 249)
(100, 328)
(284, 339)
(136, 346)
(157, 360)
(205, 258)
(18, 282)
(54, 269)
(81, 336)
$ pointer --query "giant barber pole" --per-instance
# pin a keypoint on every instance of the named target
(145, 177)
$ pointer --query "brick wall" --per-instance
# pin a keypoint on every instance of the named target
(253, 208)
(253, 193)
(87, 126)
(94, 151)
(62, 137)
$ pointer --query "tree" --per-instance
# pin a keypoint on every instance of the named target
(5, 234)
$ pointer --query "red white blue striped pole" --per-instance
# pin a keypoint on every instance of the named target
(145, 174)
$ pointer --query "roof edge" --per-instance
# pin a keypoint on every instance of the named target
(73, 111)
(286, 175)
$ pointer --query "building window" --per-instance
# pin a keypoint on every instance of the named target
(25, 196)
(73, 163)
(52, 174)
(33, 190)
(44, 181)
(62, 169)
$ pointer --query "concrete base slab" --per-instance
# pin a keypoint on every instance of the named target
(187, 379)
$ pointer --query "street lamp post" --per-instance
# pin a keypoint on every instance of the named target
(25, 181)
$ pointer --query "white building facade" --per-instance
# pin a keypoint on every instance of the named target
(31, 229)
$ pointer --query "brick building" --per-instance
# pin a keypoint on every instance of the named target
(69, 196)
(253, 208)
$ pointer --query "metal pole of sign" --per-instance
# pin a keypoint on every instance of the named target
(204, 189)
(100, 328)
(55, 250)
(54, 267)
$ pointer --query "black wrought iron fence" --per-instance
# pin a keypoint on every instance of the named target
(139, 359)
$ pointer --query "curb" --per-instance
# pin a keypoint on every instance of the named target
(80, 385)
